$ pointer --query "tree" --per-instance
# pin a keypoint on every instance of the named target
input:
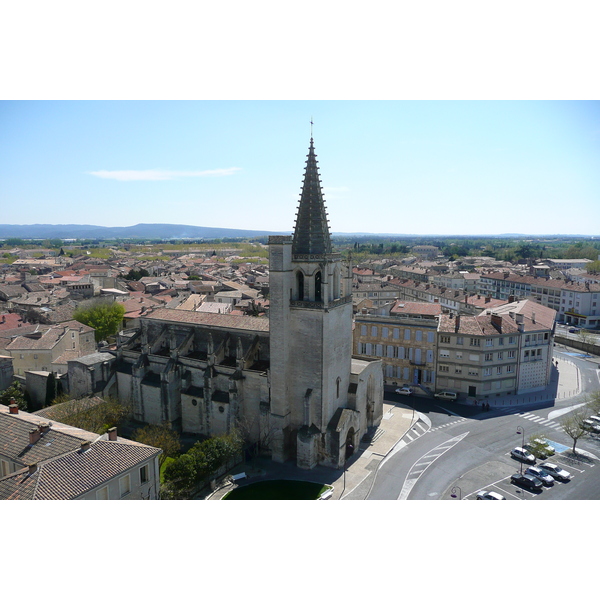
(179, 476)
(573, 425)
(14, 393)
(104, 316)
(594, 402)
(593, 267)
(92, 414)
(159, 436)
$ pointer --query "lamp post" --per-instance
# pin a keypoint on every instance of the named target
(522, 432)
(453, 492)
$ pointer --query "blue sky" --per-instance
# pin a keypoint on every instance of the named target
(412, 167)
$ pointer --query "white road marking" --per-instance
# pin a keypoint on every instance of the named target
(410, 480)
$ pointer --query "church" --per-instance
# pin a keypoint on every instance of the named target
(290, 382)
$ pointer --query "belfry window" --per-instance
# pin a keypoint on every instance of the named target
(318, 294)
(300, 285)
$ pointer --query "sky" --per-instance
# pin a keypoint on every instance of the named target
(400, 167)
(437, 117)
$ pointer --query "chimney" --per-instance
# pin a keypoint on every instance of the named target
(34, 436)
(457, 324)
(44, 427)
(32, 468)
(85, 445)
(112, 434)
(497, 321)
(13, 409)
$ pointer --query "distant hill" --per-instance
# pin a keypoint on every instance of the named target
(162, 231)
(140, 231)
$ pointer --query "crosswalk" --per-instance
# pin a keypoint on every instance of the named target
(534, 418)
(416, 431)
(448, 424)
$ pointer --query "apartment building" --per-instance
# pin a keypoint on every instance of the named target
(507, 350)
(403, 336)
(379, 293)
(574, 303)
(579, 304)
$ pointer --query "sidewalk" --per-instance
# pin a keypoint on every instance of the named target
(355, 482)
(360, 468)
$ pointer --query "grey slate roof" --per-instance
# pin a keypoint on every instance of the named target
(311, 233)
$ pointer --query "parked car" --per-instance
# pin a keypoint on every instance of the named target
(542, 475)
(447, 396)
(556, 471)
(523, 455)
(573, 330)
(591, 426)
(404, 390)
(485, 495)
(525, 480)
(595, 419)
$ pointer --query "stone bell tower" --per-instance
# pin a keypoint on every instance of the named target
(310, 331)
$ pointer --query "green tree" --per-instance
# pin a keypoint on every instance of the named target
(593, 267)
(180, 476)
(14, 393)
(159, 436)
(104, 316)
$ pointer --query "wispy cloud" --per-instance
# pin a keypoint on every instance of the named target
(160, 175)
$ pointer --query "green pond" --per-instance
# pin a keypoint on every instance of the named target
(281, 489)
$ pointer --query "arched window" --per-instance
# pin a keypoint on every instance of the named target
(300, 285)
(318, 295)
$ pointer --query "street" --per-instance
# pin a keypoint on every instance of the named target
(456, 450)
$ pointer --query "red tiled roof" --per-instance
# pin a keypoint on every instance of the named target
(210, 319)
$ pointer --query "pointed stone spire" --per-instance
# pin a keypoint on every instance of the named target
(311, 235)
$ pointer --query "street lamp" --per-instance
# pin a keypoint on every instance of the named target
(453, 492)
(522, 432)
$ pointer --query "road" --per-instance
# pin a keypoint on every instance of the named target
(459, 448)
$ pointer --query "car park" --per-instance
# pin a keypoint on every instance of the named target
(485, 495)
(523, 455)
(539, 448)
(542, 475)
(590, 425)
(404, 391)
(556, 471)
(447, 396)
(528, 481)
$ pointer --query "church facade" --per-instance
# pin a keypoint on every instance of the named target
(289, 382)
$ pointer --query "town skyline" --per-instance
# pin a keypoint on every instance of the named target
(421, 167)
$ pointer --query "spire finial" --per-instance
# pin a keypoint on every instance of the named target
(311, 126)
